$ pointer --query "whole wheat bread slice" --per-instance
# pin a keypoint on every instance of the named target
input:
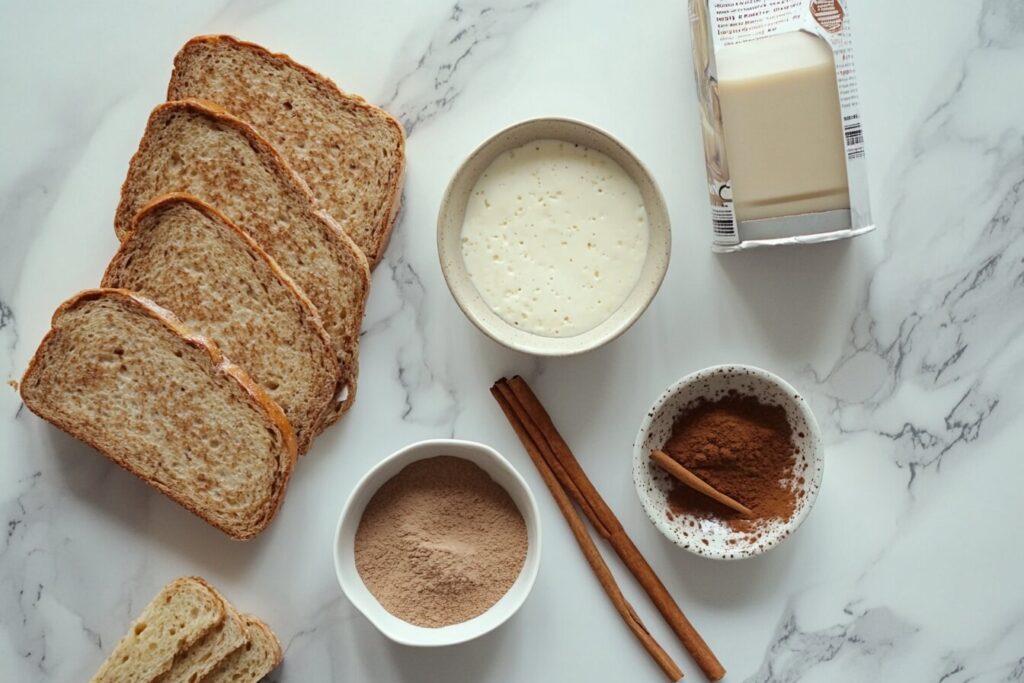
(126, 377)
(351, 153)
(203, 656)
(179, 616)
(200, 149)
(190, 258)
(261, 655)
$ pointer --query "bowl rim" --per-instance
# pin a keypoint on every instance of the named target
(551, 346)
(794, 398)
(531, 516)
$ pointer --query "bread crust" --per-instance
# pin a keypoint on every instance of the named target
(335, 234)
(271, 638)
(230, 615)
(254, 394)
(310, 311)
(349, 377)
(241, 667)
(222, 610)
(396, 183)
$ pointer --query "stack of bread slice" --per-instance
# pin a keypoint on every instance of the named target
(225, 336)
(189, 633)
(351, 153)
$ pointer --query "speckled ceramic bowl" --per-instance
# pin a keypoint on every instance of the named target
(711, 537)
(453, 210)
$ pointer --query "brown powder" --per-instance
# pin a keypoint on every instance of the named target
(440, 542)
(744, 449)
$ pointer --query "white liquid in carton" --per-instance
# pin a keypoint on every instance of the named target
(783, 129)
(782, 134)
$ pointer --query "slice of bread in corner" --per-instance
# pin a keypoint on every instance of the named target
(206, 654)
(123, 375)
(351, 153)
(190, 258)
(253, 661)
(180, 615)
(199, 149)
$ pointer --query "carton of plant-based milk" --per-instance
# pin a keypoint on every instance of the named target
(782, 132)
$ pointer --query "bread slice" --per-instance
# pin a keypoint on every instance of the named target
(190, 258)
(123, 375)
(195, 662)
(199, 149)
(351, 153)
(261, 655)
(179, 616)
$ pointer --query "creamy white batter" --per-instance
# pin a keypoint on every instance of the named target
(554, 238)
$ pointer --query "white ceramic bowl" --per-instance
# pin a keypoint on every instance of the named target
(711, 537)
(502, 472)
(453, 210)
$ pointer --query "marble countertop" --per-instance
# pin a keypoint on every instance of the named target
(907, 342)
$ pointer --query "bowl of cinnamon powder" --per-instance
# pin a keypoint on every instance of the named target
(439, 543)
(748, 435)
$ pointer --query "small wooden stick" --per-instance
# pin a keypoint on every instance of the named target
(670, 465)
(590, 552)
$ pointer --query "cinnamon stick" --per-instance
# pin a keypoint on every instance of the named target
(563, 464)
(590, 551)
(685, 476)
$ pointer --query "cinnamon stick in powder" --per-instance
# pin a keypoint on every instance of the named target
(685, 476)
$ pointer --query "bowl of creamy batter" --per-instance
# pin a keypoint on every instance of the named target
(553, 237)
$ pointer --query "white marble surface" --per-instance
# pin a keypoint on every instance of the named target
(907, 342)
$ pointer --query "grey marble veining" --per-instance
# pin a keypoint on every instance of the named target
(907, 342)
(858, 646)
(954, 258)
(474, 32)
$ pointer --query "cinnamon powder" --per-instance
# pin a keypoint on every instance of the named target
(440, 542)
(743, 448)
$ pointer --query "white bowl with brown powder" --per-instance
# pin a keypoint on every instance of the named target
(439, 543)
